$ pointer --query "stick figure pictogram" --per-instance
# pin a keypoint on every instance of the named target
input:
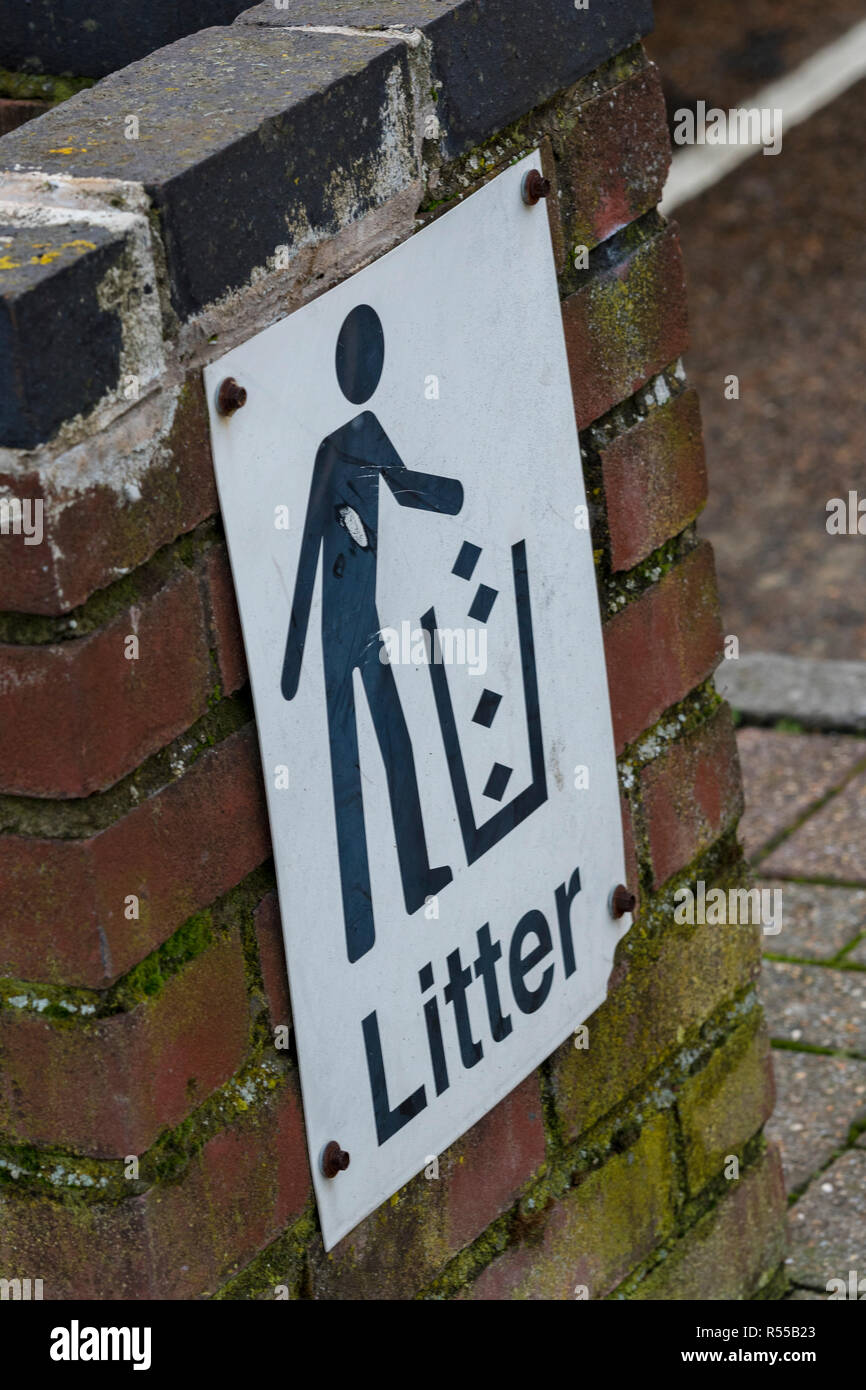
(342, 523)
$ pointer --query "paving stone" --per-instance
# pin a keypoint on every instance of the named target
(817, 1100)
(807, 1296)
(828, 1224)
(784, 774)
(817, 921)
(858, 955)
(814, 1005)
(830, 844)
(777, 297)
(765, 686)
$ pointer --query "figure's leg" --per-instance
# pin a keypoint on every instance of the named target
(419, 879)
(349, 812)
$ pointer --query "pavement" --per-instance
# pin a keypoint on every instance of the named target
(805, 833)
(777, 298)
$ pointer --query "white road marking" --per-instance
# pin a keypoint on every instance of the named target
(799, 95)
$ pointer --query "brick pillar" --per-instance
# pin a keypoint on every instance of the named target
(151, 1132)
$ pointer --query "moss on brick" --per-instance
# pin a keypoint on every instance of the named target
(79, 818)
(27, 629)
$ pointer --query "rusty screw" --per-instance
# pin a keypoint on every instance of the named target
(231, 396)
(621, 901)
(535, 187)
(334, 1159)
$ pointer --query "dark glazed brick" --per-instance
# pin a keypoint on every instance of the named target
(495, 58)
(59, 351)
(247, 140)
(90, 39)
(253, 135)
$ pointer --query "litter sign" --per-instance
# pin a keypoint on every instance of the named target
(400, 480)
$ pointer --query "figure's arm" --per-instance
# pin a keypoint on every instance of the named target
(306, 579)
(427, 492)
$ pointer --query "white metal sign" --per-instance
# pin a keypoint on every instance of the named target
(405, 511)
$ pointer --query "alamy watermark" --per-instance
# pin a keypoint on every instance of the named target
(732, 907)
(739, 126)
(413, 646)
(20, 1290)
(22, 517)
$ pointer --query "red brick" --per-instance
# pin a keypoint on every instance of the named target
(655, 480)
(614, 165)
(95, 531)
(626, 324)
(663, 644)
(493, 1161)
(190, 842)
(182, 1240)
(632, 871)
(224, 620)
(691, 794)
(106, 1088)
(79, 715)
(249, 1183)
(272, 959)
(403, 1245)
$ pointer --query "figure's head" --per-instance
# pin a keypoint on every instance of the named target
(360, 354)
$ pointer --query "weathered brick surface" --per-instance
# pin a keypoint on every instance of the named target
(632, 870)
(272, 959)
(655, 480)
(52, 369)
(614, 165)
(596, 1235)
(80, 715)
(178, 851)
(224, 620)
(493, 1161)
(655, 996)
(726, 1103)
(625, 324)
(14, 113)
(106, 1088)
(94, 526)
(735, 1249)
(663, 644)
(404, 1245)
(691, 794)
(178, 1241)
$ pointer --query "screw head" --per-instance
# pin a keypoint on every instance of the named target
(334, 1159)
(231, 396)
(621, 901)
(535, 187)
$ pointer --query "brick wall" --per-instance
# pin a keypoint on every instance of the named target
(151, 1132)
